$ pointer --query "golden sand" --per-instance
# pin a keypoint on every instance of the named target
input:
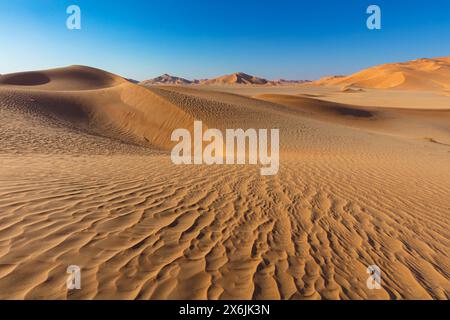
(86, 179)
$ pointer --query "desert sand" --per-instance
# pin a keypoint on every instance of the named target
(420, 74)
(87, 180)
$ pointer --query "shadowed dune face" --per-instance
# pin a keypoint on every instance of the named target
(317, 106)
(26, 79)
(64, 79)
(101, 103)
(357, 186)
(353, 112)
(411, 123)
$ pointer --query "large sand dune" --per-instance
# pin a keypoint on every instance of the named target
(98, 102)
(86, 179)
(420, 74)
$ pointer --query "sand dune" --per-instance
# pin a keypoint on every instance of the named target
(410, 123)
(67, 79)
(388, 98)
(99, 103)
(420, 74)
(86, 179)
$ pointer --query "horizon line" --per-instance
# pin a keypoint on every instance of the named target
(221, 75)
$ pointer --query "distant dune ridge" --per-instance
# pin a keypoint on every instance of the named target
(86, 179)
(420, 74)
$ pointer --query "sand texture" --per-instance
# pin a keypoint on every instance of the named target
(420, 74)
(86, 179)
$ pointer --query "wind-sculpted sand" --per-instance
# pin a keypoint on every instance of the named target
(421, 74)
(87, 180)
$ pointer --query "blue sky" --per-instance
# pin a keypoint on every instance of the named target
(292, 39)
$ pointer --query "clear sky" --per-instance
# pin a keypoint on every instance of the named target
(292, 39)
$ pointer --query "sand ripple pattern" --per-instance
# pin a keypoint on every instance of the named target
(81, 184)
(152, 230)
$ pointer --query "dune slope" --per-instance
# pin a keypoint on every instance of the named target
(354, 189)
(420, 74)
(97, 102)
(416, 124)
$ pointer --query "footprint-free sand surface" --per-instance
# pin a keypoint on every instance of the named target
(86, 179)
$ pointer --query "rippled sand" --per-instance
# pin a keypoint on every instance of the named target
(87, 180)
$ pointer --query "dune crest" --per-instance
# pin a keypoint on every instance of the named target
(101, 103)
(67, 79)
(420, 74)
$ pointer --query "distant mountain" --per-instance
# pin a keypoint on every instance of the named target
(235, 78)
(281, 82)
(166, 79)
(420, 74)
